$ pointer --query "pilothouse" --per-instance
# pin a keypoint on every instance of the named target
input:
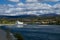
(19, 24)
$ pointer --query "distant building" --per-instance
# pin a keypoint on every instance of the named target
(46, 22)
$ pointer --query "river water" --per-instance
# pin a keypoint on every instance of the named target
(39, 32)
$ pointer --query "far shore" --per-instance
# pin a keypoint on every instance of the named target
(14, 24)
(5, 24)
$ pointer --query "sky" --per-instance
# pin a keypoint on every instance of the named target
(35, 7)
(14, 1)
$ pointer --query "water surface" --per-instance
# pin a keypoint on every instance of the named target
(38, 32)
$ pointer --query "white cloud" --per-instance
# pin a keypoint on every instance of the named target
(30, 9)
(57, 5)
(10, 5)
(52, 0)
(42, 0)
(48, 0)
(31, 0)
(14, 0)
(20, 4)
(8, 11)
(34, 8)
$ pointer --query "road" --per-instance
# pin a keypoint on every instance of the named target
(3, 35)
(6, 35)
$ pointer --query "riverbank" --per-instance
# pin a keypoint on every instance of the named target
(6, 24)
(27, 24)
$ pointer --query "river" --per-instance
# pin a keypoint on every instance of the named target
(39, 32)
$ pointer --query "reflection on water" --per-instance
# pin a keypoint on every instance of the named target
(38, 32)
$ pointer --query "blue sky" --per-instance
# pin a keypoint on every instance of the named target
(10, 2)
(6, 2)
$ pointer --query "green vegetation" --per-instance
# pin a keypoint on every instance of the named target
(34, 20)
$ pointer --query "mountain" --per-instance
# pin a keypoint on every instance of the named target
(49, 15)
(30, 16)
(19, 16)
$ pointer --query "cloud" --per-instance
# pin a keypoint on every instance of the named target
(31, 0)
(52, 0)
(42, 0)
(14, 0)
(34, 8)
(20, 4)
(31, 7)
(10, 5)
(57, 5)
